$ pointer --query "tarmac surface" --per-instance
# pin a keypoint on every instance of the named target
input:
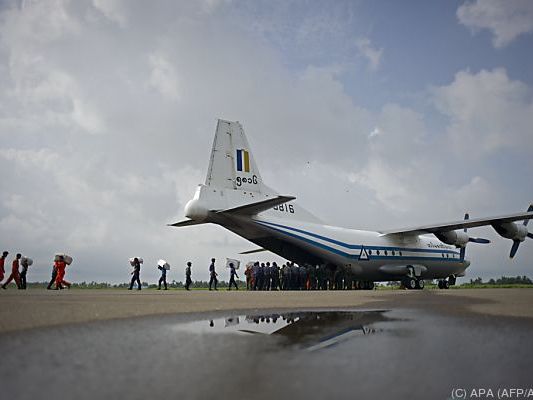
(92, 344)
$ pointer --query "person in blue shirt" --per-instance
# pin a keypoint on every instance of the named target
(232, 276)
(213, 275)
(188, 279)
(136, 274)
(163, 278)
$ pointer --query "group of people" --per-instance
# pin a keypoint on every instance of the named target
(269, 276)
(290, 276)
(213, 275)
(259, 276)
(19, 271)
(17, 275)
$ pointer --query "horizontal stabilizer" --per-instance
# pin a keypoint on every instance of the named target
(257, 207)
(253, 251)
(187, 222)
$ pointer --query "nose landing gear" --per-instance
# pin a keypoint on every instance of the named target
(446, 283)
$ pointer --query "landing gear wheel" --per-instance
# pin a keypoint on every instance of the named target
(370, 285)
(441, 286)
(420, 284)
(410, 283)
(445, 284)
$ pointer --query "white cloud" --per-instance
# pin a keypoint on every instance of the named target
(371, 53)
(375, 132)
(474, 194)
(54, 95)
(488, 112)
(390, 184)
(394, 160)
(210, 6)
(42, 158)
(163, 76)
(36, 82)
(505, 19)
(39, 21)
(114, 10)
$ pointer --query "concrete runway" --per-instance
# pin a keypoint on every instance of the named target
(382, 344)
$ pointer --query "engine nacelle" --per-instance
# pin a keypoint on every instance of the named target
(510, 230)
(455, 238)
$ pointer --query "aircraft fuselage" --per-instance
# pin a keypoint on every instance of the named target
(369, 255)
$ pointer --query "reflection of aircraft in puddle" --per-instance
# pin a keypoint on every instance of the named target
(312, 330)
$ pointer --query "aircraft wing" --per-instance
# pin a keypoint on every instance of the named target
(451, 226)
(257, 207)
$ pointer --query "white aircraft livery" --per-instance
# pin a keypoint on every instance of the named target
(235, 197)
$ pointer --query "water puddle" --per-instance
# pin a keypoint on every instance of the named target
(311, 330)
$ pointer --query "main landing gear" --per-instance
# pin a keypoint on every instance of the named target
(413, 283)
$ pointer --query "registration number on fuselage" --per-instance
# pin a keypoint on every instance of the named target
(289, 208)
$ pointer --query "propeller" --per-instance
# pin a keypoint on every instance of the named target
(475, 239)
(514, 249)
(471, 239)
(516, 243)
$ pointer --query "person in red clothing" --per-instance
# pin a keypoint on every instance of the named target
(2, 260)
(60, 266)
(15, 275)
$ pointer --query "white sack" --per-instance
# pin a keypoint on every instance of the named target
(236, 263)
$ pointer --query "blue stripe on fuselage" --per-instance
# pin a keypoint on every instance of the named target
(346, 245)
(353, 256)
(356, 246)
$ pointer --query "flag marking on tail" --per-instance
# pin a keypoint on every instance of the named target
(243, 160)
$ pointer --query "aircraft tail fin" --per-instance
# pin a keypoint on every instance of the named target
(232, 164)
(233, 185)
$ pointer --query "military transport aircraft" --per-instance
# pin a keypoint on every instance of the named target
(235, 197)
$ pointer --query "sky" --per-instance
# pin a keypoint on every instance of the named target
(374, 114)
